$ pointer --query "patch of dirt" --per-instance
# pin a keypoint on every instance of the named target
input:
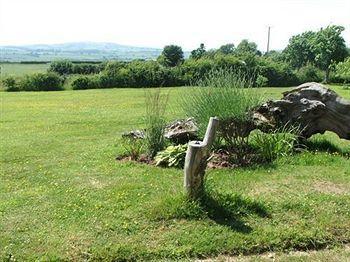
(312, 255)
(141, 159)
(330, 188)
(226, 159)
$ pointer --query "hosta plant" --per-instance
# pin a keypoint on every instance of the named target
(172, 156)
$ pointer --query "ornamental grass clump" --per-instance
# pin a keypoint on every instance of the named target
(155, 121)
(228, 95)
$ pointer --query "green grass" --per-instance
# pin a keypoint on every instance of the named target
(63, 195)
(17, 69)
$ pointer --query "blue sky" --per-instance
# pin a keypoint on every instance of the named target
(155, 23)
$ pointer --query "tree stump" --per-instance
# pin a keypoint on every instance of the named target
(197, 156)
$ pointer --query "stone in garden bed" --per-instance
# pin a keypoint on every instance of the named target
(181, 131)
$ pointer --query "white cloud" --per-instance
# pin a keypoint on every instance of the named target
(156, 23)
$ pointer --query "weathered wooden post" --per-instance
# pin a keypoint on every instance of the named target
(196, 161)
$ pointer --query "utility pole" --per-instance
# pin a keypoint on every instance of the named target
(268, 40)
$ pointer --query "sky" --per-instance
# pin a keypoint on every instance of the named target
(156, 23)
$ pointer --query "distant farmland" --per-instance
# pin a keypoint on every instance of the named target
(19, 69)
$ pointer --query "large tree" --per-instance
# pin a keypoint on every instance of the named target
(171, 56)
(329, 47)
(322, 48)
(300, 51)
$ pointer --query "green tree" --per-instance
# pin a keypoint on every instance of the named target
(343, 70)
(62, 67)
(300, 51)
(199, 52)
(227, 49)
(171, 56)
(246, 47)
(329, 48)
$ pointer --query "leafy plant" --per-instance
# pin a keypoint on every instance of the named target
(261, 81)
(133, 147)
(172, 156)
(155, 120)
(278, 143)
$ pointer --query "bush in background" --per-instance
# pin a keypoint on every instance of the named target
(10, 84)
(342, 71)
(35, 82)
(85, 82)
(309, 73)
(61, 67)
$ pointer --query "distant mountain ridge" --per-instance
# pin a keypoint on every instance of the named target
(87, 51)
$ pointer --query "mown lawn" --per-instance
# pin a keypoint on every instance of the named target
(64, 196)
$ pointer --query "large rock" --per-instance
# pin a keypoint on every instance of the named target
(312, 106)
(134, 134)
(181, 131)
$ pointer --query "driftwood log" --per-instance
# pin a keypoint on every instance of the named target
(196, 159)
(312, 107)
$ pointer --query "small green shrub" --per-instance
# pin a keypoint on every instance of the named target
(342, 71)
(279, 143)
(41, 82)
(261, 81)
(155, 120)
(85, 82)
(11, 84)
(309, 73)
(172, 156)
(133, 147)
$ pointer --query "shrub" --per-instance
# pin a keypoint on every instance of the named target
(277, 73)
(86, 69)
(278, 143)
(222, 93)
(10, 84)
(155, 121)
(85, 82)
(342, 71)
(227, 95)
(261, 81)
(133, 147)
(41, 82)
(309, 73)
(172, 156)
(62, 67)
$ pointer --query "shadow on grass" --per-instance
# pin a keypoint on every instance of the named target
(224, 209)
(324, 145)
(229, 209)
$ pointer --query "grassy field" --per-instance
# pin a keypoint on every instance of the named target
(64, 196)
(17, 69)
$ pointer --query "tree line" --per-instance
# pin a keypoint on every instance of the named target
(310, 56)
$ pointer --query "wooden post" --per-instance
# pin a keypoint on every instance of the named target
(196, 161)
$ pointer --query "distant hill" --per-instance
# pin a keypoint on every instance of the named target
(87, 51)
